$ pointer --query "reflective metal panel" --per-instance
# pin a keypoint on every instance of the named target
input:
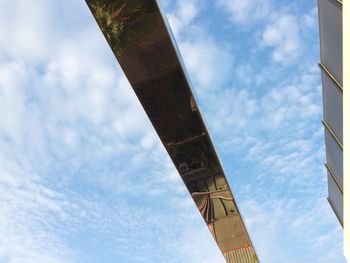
(334, 155)
(335, 198)
(330, 15)
(332, 106)
(141, 42)
(330, 18)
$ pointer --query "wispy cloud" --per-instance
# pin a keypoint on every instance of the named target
(30, 211)
(310, 19)
(208, 62)
(247, 12)
(283, 35)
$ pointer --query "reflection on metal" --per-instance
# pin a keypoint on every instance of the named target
(332, 133)
(337, 84)
(186, 140)
(245, 254)
(334, 177)
(140, 39)
(335, 211)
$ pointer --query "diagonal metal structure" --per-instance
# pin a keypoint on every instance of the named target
(142, 42)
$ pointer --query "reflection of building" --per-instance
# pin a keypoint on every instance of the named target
(139, 37)
(330, 17)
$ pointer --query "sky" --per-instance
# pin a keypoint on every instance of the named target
(85, 178)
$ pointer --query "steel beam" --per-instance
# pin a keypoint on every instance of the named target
(142, 42)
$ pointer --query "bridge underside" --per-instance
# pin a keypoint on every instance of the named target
(143, 45)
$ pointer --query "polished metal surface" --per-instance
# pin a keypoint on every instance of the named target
(331, 39)
(334, 177)
(332, 107)
(334, 156)
(142, 43)
(331, 53)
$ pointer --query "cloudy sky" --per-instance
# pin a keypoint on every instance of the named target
(84, 177)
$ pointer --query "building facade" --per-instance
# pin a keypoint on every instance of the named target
(331, 46)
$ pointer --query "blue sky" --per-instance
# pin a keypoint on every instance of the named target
(84, 177)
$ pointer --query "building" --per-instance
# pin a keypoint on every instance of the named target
(331, 45)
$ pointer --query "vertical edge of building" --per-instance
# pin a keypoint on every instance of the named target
(331, 53)
(346, 121)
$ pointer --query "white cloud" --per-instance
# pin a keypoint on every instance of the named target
(184, 14)
(270, 219)
(28, 212)
(310, 19)
(283, 35)
(292, 101)
(246, 12)
(25, 26)
(209, 63)
(11, 121)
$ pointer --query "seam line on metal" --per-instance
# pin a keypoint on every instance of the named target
(338, 1)
(325, 124)
(334, 177)
(332, 206)
(324, 69)
(210, 192)
(187, 140)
